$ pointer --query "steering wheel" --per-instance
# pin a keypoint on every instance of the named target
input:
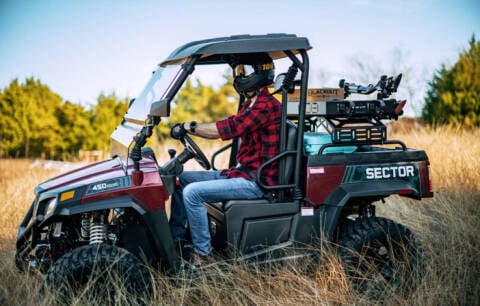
(193, 148)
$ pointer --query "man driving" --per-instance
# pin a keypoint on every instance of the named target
(257, 124)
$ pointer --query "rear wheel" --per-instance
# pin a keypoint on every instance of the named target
(380, 255)
(103, 273)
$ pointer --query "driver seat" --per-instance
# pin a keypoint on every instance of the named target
(237, 225)
(287, 175)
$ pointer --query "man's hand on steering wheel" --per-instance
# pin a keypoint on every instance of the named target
(178, 131)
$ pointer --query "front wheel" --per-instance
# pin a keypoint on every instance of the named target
(100, 272)
(379, 254)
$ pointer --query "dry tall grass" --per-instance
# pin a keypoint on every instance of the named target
(447, 225)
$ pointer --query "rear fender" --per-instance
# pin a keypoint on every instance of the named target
(339, 198)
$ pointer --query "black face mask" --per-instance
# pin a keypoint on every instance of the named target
(262, 75)
(251, 94)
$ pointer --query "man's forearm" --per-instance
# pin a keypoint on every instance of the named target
(205, 130)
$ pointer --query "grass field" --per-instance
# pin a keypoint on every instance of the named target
(447, 225)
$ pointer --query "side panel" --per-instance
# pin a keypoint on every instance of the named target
(325, 173)
(257, 228)
(251, 224)
(405, 175)
(258, 233)
(151, 193)
(322, 180)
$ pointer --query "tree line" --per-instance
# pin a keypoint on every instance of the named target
(453, 96)
(36, 122)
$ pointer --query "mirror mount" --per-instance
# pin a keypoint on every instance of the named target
(160, 108)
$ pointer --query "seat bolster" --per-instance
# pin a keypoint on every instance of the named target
(231, 203)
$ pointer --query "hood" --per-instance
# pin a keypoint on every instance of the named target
(97, 172)
(92, 173)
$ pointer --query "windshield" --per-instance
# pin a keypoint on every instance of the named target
(133, 121)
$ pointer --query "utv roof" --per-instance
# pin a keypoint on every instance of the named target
(213, 51)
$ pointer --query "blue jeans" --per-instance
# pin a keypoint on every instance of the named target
(196, 188)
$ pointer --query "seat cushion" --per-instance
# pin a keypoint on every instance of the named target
(222, 206)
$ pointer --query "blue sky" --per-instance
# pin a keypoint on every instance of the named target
(82, 48)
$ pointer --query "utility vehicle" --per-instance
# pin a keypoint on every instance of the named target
(335, 162)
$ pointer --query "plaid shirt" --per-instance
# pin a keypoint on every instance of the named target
(258, 125)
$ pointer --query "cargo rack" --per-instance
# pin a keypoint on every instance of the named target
(353, 122)
(359, 121)
(344, 130)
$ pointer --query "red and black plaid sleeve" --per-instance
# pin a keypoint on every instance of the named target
(258, 127)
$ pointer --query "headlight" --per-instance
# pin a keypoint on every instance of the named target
(50, 206)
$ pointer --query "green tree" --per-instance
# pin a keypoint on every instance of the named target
(453, 96)
(105, 116)
(34, 122)
(46, 138)
(11, 134)
(74, 123)
(28, 122)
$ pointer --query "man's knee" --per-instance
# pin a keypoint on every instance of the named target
(191, 194)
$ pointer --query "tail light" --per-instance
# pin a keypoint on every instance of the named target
(405, 192)
(427, 181)
(430, 186)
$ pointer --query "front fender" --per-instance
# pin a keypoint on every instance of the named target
(155, 221)
(30, 229)
(126, 201)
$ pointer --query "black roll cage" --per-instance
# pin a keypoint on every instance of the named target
(301, 65)
(219, 51)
